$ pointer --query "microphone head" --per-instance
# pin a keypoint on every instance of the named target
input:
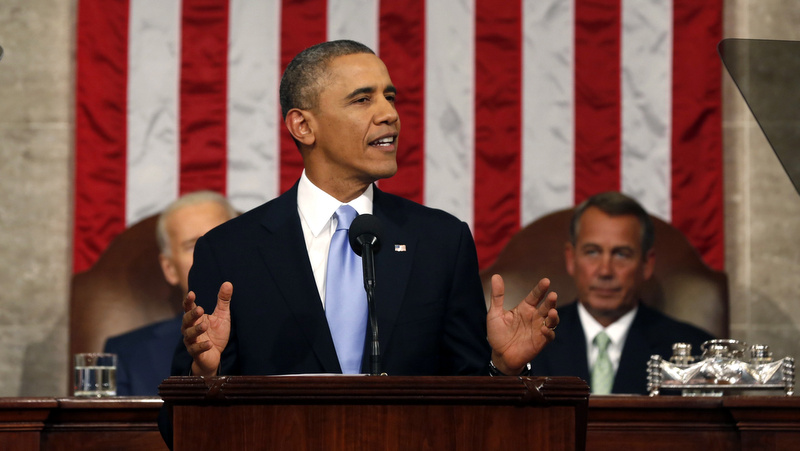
(365, 229)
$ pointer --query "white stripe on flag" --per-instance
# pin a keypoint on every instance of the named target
(354, 19)
(153, 78)
(450, 108)
(646, 103)
(253, 123)
(152, 107)
(548, 108)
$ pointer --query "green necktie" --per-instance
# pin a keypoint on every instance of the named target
(602, 371)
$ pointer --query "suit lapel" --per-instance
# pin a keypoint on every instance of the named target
(632, 371)
(392, 263)
(569, 354)
(292, 274)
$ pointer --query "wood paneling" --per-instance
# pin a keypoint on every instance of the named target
(445, 416)
(386, 413)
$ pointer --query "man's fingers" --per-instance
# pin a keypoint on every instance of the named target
(198, 348)
(549, 334)
(188, 301)
(190, 317)
(549, 316)
(551, 319)
(193, 313)
(549, 303)
(193, 329)
(535, 296)
(498, 291)
(540, 289)
(224, 298)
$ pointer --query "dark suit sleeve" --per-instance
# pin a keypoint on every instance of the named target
(204, 280)
(466, 348)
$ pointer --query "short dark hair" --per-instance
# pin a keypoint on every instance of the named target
(303, 77)
(614, 203)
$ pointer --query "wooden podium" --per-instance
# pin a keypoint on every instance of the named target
(377, 412)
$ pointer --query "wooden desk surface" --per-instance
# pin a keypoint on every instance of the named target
(615, 422)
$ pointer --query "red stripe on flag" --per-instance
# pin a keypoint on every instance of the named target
(498, 125)
(303, 24)
(100, 128)
(697, 191)
(203, 95)
(597, 97)
(402, 49)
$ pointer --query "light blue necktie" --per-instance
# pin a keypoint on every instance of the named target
(603, 370)
(345, 298)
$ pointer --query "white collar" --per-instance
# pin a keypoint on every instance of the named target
(317, 207)
(616, 331)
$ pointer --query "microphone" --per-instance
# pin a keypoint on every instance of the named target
(364, 235)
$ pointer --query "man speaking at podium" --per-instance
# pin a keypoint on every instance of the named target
(266, 286)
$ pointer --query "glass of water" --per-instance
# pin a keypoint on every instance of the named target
(95, 375)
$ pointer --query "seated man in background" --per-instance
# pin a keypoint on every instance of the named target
(145, 354)
(608, 336)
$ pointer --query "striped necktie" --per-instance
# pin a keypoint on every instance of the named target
(602, 371)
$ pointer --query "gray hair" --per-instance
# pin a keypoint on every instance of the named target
(614, 203)
(193, 198)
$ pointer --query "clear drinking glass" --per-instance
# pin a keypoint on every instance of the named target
(95, 374)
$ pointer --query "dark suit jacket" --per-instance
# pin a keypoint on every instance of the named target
(429, 301)
(144, 356)
(651, 332)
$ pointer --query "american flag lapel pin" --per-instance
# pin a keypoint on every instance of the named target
(399, 247)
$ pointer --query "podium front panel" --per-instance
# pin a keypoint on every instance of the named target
(384, 413)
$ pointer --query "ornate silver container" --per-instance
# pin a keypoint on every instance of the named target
(725, 367)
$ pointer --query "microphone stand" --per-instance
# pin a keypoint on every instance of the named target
(369, 286)
(364, 234)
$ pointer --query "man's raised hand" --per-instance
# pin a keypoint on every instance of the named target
(205, 336)
(518, 335)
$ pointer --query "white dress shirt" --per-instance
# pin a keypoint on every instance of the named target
(316, 209)
(616, 331)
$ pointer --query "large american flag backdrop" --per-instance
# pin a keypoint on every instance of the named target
(510, 108)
